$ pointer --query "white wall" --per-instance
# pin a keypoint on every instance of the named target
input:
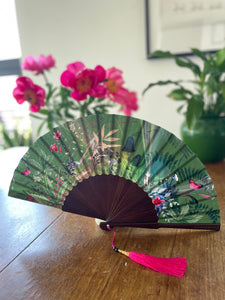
(106, 32)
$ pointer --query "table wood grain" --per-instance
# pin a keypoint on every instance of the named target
(67, 256)
(21, 223)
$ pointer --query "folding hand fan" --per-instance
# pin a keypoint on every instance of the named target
(121, 170)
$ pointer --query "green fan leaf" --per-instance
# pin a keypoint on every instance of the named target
(121, 169)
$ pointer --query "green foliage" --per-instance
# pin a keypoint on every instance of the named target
(15, 138)
(60, 107)
(190, 213)
(187, 172)
(207, 98)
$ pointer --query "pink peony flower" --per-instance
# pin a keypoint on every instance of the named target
(26, 90)
(30, 63)
(43, 63)
(130, 103)
(114, 81)
(54, 148)
(127, 99)
(46, 62)
(84, 81)
(117, 93)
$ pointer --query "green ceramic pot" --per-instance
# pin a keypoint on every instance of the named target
(206, 139)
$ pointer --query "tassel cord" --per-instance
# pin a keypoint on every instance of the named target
(171, 266)
(113, 246)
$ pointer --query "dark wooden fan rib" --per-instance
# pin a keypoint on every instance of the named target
(111, 198)
(200, 226)
(119, 202)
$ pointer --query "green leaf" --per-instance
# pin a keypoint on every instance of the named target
(179, 109)
(64, 94)
(100, 99)
(50, 92)
(222, 87)
(220, 105)
(36, 117)
(9, 142)
(90, 100)
(199, 53)
(187, 63)
(161, 83)
(161, 54)
(220, 57)
(210, 68)
(180, 94)
(16, 136)
(40, 127)
(69, 116)
(181, 62)
(212, 85)
(44, 111)
(194, 111)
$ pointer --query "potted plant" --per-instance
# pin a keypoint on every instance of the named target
(16, 138)
(203, 104)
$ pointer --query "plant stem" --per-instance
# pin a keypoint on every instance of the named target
(45, 77)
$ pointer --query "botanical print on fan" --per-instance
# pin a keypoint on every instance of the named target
(148, 155)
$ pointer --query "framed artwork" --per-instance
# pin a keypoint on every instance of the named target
(179, 25)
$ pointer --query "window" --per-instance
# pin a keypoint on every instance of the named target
(12, 115)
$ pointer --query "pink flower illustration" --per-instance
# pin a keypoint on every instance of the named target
(27, 172)
(57, 135)
(54, 148)
(31, 198)
(26, 90)
(157, 201)
(194, 185)
(84, 81)
(43, 63)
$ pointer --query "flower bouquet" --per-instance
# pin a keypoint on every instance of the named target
(83, 90)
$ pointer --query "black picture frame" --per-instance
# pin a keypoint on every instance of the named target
(150, 11)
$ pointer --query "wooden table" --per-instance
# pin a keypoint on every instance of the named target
(49, 254)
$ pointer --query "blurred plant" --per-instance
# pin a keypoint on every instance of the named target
(15, 138)
(207, 99)
(83, 90)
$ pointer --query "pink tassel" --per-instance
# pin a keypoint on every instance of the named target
(171, 266)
